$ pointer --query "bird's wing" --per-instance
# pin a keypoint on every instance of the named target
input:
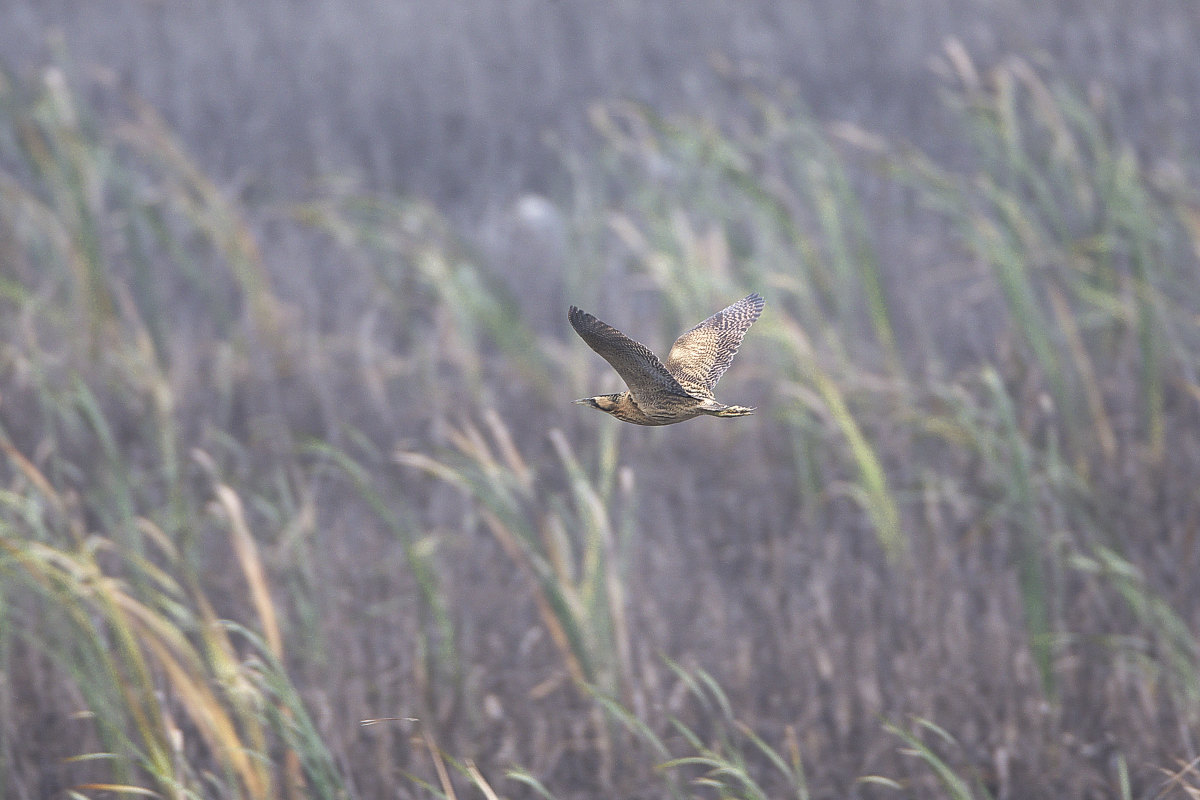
(700, 356)
(641, 370)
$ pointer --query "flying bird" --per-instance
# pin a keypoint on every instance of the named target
(682, 388)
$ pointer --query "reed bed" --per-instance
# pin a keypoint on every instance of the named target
(249, 502)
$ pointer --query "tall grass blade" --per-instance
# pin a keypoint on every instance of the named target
(418, 560)
(956, 787)
(1030, 541)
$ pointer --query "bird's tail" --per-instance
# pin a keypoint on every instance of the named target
(721, 410)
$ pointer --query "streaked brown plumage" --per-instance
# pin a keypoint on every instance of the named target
(683, 388)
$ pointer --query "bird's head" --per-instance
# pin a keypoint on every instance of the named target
(605, 402)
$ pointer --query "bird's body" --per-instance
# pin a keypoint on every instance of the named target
(681, 389)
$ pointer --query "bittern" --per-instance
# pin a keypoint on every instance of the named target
(681, 389)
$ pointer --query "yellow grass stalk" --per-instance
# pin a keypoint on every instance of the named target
(247, 554)
(1087, 376)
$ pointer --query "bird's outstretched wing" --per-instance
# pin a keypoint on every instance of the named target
(641, 370)
(700, 356)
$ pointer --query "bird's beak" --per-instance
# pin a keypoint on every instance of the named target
(581, 401)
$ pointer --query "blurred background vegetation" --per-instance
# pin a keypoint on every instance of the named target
(293, 502)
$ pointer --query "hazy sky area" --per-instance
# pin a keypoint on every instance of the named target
(455, 101)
